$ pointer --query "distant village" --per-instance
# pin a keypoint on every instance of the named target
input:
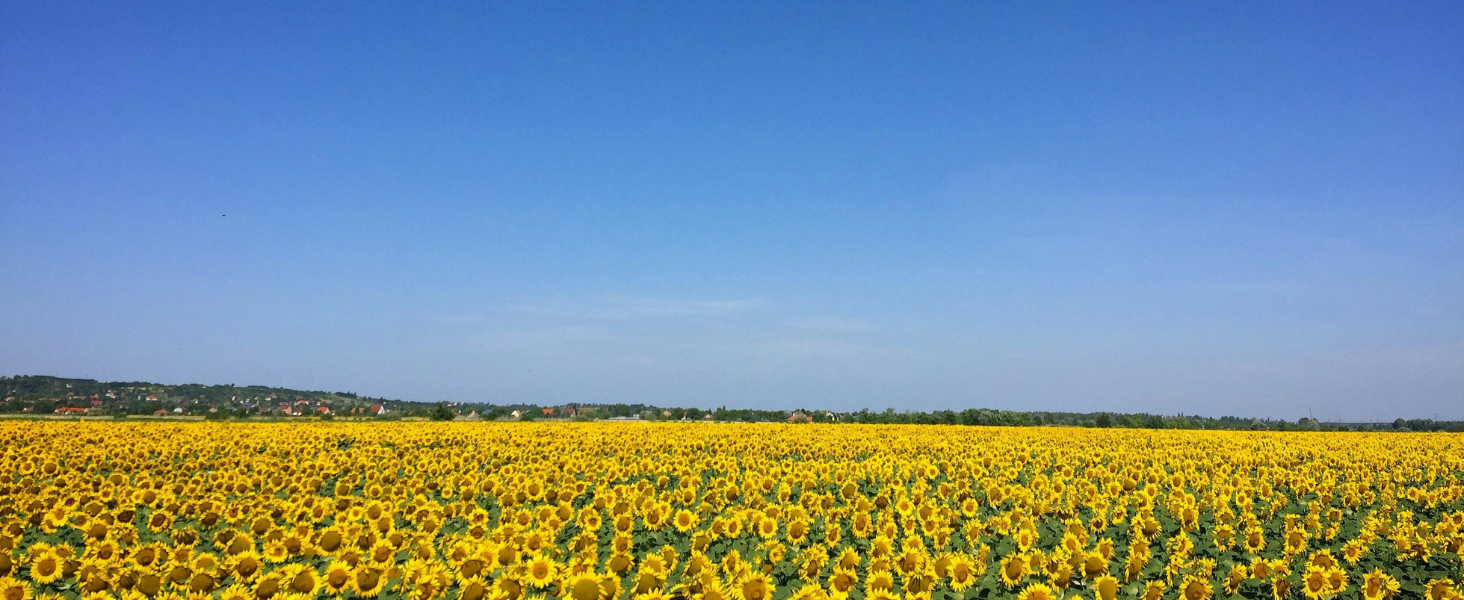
(39, 396)
(45, 396)
(125, 401)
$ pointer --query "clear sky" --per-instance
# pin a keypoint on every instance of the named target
(1210, 208)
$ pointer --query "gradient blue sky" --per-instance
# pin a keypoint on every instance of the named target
(1241, 208)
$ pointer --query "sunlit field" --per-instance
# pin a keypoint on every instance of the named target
(602, 511)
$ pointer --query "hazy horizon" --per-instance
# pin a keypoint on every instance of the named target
(1246, 209)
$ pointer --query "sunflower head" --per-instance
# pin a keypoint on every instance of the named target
(1105, 587)
(14, 589)
(1195, 588)
(46, 567)
(1037, 591)
(583, 586)
(1013, 569)
(540, 571)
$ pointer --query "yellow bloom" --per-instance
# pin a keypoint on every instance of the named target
(46, 568)
(14, 589)
(1037, 591)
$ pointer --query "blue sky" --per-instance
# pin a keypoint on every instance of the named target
(1243, 208)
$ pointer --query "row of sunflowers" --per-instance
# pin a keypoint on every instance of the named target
(640, 511)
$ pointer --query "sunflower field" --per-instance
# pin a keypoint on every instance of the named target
(640, 511)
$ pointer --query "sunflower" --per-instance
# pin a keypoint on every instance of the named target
(1295, 542)
(429, 583)
(647, 580)
(685, 520)
(1025, 538)
(833, 535)
(1094, 565)
(1234, 578)
(962, 572)
(910, 561)
(236, 592)
(841, 582)
(1378, 585)
(920, 585)
(809, 591)
(1037, 591)
(337, 578)
(584, 586)
(14, 589)
(1105, 587)
(474, 588)
(1255, 541)
(266, 586)
(1280, 588)
(1438, 589)
(246, 566)
(540, 571)
(159, 521)
(609, 586)
(1153, 590)
(276, 551)
(94, 574)
(767, 528)
(1013, 570)
(755, 586)
(238, 544)
(798, 531)
(201, 582)
(1321, 558)
(879, 580)
(300, 579)
(46, 568)
(366, 582)
(1336, 581)
(1353, 551)
(1315, 585)
(100, 549)
(861, 526)
(1195, 588)
(659, 563)
(620, 562)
